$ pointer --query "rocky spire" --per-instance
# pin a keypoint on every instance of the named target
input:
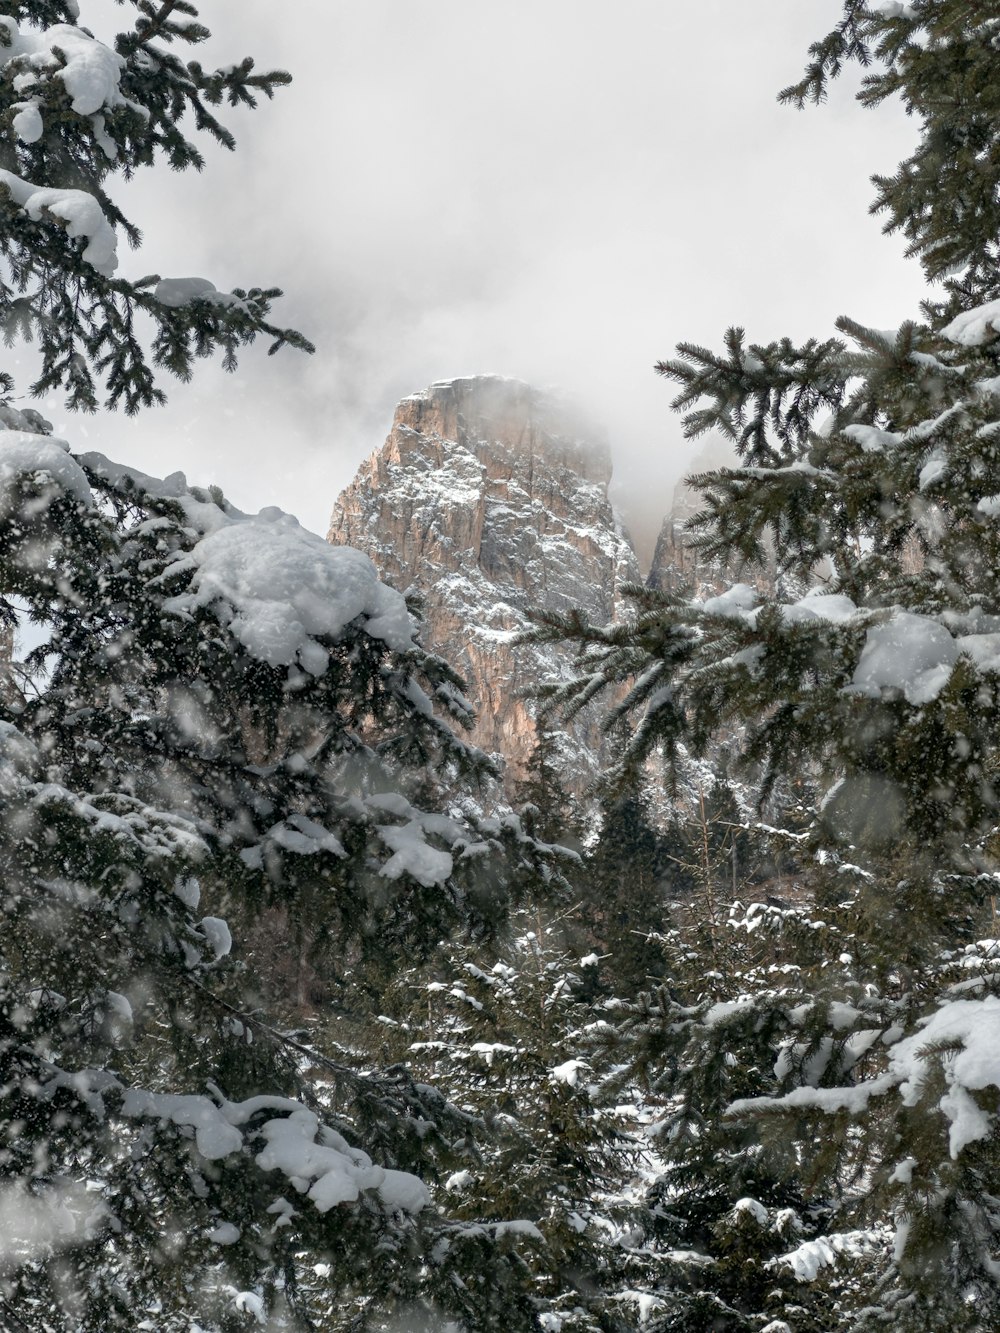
(490, 497)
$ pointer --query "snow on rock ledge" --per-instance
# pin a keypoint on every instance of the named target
(491, 498)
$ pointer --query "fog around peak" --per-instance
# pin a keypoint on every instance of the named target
(559, 193)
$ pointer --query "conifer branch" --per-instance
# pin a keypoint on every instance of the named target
(155, 25)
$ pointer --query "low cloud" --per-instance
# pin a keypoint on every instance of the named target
(558, 193)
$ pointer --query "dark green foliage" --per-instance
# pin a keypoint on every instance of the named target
(628, 882)
(154, 768)
(937, 56)
(839, 1059)
(499, 1032)
(759, 393)
(547, 809)
(762, 1010)
(166, 750)
(853, 506)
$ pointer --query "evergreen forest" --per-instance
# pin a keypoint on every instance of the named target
(301, 1026)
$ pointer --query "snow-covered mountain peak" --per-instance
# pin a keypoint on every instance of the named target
(490, 497)
(510, 418)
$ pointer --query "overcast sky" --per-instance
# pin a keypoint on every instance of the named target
(559, 190)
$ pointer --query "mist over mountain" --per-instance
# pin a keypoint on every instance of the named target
(490, 499)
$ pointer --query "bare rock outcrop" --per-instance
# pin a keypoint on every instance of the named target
(490, 498)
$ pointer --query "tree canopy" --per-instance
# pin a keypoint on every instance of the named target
(219, 714)
(793, 1129)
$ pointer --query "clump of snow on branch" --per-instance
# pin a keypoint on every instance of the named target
(202, 511)
(895, 9)
(413, 856)
(80, 211)
(967, 1028)
(91, 74)
(909, 652)
(807, 1259)
(23, 454)
(218, 934)
(971, 1028)
(318, 1162)
(179, 292)
(974, 327)
(322, 1165)
(90, 70)
(902, 651)
(278, 586)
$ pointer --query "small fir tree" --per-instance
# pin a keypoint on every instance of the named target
(501, 1034)
(627, 882)
(547, 808)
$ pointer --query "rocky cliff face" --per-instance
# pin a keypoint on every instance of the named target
(490, 498)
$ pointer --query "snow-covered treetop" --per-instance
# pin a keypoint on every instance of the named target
(208, 631)
(77, 112)
(276, 586)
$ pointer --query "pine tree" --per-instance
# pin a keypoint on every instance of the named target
(223, 710)
(547, 808)
(221, 714)
(74, 113)
(500, 1032)
(628, 880)
(868, 461)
